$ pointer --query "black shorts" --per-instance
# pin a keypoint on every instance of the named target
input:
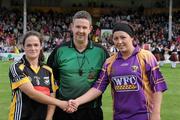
(34, 111)
(85, 113)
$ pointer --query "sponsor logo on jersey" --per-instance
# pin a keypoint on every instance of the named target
(134, 68)
(46, 80)
(125, 83)
(124, 64)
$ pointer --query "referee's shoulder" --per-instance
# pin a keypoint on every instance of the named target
(64, 44)
(50, 60)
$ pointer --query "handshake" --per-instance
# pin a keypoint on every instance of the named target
(72, 105)
(69, 106)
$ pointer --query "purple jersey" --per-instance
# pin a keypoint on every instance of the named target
(133, 81)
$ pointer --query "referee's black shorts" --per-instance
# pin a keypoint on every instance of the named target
(84, 113)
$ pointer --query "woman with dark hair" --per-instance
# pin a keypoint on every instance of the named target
(32, 83)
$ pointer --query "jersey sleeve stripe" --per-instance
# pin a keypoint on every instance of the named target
(54, 86)
(12, 109)
(19, 83)
(14, 72)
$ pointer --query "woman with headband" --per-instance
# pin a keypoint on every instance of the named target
(136, 81)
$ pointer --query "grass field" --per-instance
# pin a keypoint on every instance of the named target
(170, 105)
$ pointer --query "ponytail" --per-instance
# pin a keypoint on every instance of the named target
(41, 57)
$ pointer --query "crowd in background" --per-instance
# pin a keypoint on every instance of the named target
(150, 29)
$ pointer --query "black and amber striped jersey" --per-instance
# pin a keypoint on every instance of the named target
(23, 107)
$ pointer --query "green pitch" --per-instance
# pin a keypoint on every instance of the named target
(170, 106)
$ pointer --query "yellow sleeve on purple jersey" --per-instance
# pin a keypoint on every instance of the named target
(150, 71)
(103, 79)
(136, 77)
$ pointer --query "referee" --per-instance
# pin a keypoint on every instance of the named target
(76, 65)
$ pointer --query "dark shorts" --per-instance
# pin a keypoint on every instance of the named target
(34, 111)
(86, 113)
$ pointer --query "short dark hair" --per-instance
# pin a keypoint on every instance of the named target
(83, 14)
